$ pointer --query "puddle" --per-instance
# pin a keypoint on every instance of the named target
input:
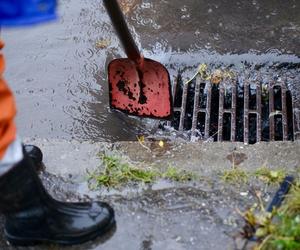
(62, 69)
(166, 214)
(169, 215)
(58, 72)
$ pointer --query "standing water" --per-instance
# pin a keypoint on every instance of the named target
(58, 70)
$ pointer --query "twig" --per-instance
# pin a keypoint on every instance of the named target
(141, 143)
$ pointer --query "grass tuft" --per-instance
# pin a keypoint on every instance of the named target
(292, 202)
(116, 173)
(174, 174)
(235, 175)
(279, 230)
(270, 176)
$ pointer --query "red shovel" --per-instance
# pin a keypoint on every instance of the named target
(137, 85)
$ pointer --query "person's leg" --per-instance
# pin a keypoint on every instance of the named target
(10, 148)
(31, 214)
(12, 156)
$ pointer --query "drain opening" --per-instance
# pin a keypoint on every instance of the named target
(247, 109)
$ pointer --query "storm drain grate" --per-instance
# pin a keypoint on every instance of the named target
(247, 108)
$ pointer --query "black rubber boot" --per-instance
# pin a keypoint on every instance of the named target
(33, 216)
(34, 153)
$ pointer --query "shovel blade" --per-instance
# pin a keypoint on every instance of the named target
(142, 92)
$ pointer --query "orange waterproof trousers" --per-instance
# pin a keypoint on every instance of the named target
(7, 110)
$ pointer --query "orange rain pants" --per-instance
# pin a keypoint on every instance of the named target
(7, 110)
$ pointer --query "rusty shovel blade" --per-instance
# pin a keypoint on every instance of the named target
(142, 91)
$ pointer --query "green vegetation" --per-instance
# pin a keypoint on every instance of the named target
(292, 204)
(270, 176)
(215, 77)
(173, 174)
(116, 173)
(279, 230)
(235, 175)
(283, 235)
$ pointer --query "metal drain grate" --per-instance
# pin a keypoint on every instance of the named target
(248, 108)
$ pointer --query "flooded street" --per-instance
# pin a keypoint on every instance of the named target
(58, 70)
(58, 74)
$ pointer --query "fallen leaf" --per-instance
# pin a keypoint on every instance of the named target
(127, 5)
(202, 70)
(216, 77)
(274, 174)
(141, 139)
(103, 44)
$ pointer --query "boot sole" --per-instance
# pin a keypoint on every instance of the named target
(22, 241)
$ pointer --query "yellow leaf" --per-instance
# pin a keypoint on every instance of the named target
(141, 139)
(228, 74)
(161, 144)
(102, 44)
(202, 70)
(250, 218)
(274, 174)
(216, 76)
(260, 232)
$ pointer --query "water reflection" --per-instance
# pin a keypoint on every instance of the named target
(60, 78)
(222, 26)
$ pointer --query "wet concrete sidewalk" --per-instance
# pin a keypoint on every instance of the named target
(166, 215)
(58, 73)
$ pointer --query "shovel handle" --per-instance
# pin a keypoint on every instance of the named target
(281, 193)
(119, 23)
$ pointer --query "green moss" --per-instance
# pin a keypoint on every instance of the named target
(292, 201)
(270, 176)
(174, 174)
(117, 172)
(267, 175)
(235, 175)
(284, 233)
